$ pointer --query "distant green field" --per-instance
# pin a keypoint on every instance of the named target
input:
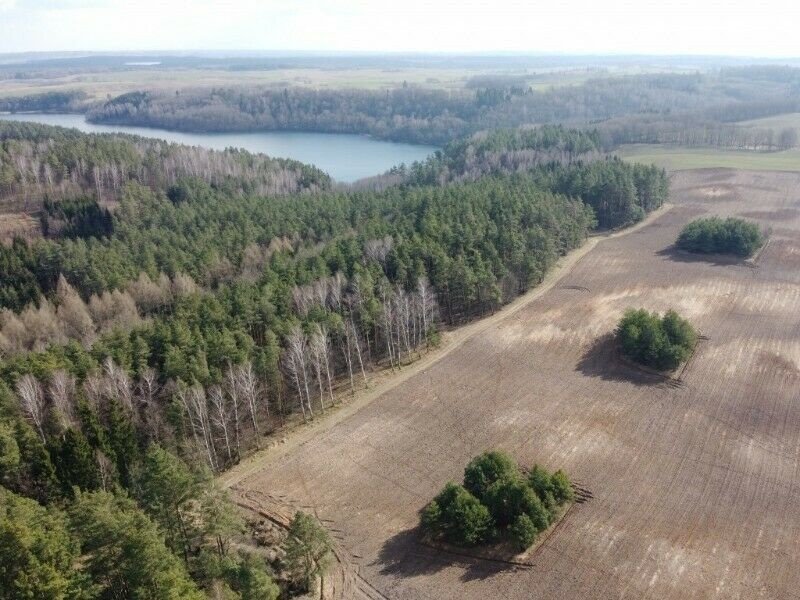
(775, 121)
(675, 158)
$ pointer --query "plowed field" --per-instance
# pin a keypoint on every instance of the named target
(695, 482)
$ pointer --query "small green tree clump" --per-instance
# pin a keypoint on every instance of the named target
(496, 502)
(308, 549)
(713, 235)
(659, 342)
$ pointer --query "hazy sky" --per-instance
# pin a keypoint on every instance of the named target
(739, 27)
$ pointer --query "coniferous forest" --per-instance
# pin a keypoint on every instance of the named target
(181, 304)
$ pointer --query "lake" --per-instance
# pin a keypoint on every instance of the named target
(344, 157)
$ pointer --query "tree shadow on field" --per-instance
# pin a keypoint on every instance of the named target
(675, 254)
(602, 359)
(406, 555)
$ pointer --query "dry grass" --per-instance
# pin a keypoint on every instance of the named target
(18, 225)
(695, 486)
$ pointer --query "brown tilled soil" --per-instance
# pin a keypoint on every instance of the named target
(694, 482)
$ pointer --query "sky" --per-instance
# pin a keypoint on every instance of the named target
(763, 28)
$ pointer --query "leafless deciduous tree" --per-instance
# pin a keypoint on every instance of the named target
(247, 384)
(32, 402)
(147, 391)
(60, 391)
(106, 469)
(151, 296)
(232, 391)
(221, 417)
(114, 309)
(296, 364)
(118, 385)
(195, 406)
(378, 250)
(319, 351)
(73, 313)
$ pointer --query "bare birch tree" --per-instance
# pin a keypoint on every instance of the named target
(319, 351)
(195, 405)
(247, 383)
(296, 361)
(32, 402)
(220, 417)
(118, 385)
(60, 391)
(232, 390)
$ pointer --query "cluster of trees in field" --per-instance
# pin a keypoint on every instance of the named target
(38, 161)
(437, 116)
(659, 342)
(497, 502)
(714, 235)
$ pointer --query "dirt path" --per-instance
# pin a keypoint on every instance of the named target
(388, 380)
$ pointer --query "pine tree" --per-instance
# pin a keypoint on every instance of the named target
(75, 462)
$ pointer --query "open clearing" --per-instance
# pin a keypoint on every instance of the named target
(695, 484)
(678, 158)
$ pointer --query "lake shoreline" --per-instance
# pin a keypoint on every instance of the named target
(346, 157)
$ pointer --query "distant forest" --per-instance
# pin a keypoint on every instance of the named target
(698, 109)
(677, 108)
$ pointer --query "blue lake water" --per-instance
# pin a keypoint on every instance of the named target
(344, 157)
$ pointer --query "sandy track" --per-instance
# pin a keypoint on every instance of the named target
(696, 486)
